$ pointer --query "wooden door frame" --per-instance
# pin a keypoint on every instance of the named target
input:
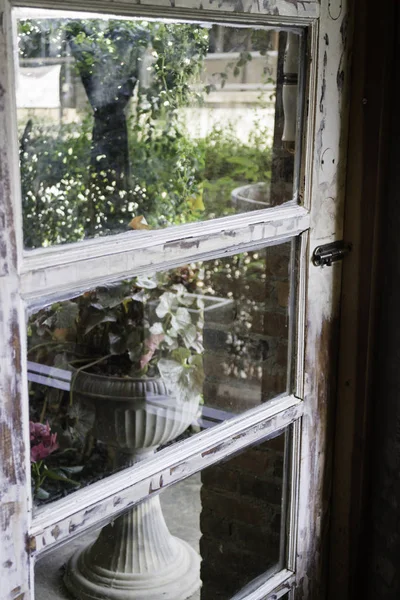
(327, 126)
(371, 107)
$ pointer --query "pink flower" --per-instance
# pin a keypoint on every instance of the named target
(43, 442)
(38, 430)
(152, 344)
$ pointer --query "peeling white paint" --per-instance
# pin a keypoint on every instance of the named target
(79, 267)
(273, 8)
(104, 499)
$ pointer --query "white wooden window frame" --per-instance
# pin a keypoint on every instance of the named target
(29, 279)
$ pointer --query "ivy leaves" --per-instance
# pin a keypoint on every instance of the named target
(183, 374)
(183, 371)
(173, 307)
(146, 326)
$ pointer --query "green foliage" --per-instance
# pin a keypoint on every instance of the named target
(109, 50)
(226, 155)
(166, 168)
(177, 54)
(72, 186)
(145, 327)
(63, 199)
(230, 162)
(37, 37)
(41, 473)
(124, 328)
(175, 179)
(54, 182)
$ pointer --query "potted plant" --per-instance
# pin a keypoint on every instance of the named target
(147, 330)
(134, 349)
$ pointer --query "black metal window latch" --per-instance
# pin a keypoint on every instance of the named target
(330, 253)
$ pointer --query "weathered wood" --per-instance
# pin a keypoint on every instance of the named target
(197, 8)
(103, 500)
(84, 265)
(274, 588)
(362, 402)
(329, 112)
(14, 444)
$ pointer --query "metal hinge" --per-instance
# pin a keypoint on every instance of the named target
(330, 253)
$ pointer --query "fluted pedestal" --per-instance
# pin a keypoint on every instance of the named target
(135, 557)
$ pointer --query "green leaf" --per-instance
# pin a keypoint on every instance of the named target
(117, 343)
(181, 324)
(157, 328)
(172, 333)
(41, 494)
(197, 346)
(65, 317)
(186, 300)
(58, 475)
(98, 318)
(134, 345)
(179, 288)
(196, 360)
(181, 319)
(181, 355)
(170, 342)
(168, 302)
(243, 161)
(149, 282)
(189, 335)
(185, 381)
(112, 295)
(72, 470)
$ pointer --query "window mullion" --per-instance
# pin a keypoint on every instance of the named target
(275, 587)
(307, 9)
(119, 492)
(39, 285)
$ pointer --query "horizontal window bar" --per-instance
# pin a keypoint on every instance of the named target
(134, 240)
(307, 9)
(101, 501)
(76, 267)
(274, 587)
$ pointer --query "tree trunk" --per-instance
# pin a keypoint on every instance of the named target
(109, 89)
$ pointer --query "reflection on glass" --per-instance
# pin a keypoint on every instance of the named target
(128, 125)
(123, 370)
(216, 536)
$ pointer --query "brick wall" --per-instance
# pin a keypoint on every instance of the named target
(241, 519)
(245, 361)
(246, 341)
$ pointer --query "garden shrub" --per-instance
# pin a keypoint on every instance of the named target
(90, 178)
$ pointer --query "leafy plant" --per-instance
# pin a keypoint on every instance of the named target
(143, 327)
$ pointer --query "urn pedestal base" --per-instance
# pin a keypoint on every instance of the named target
(135, 558)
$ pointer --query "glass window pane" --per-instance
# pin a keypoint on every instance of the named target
(206, 538)
(126, 369)
(128, 125)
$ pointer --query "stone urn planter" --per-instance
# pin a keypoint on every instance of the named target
(254, 196)
(135, 557)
